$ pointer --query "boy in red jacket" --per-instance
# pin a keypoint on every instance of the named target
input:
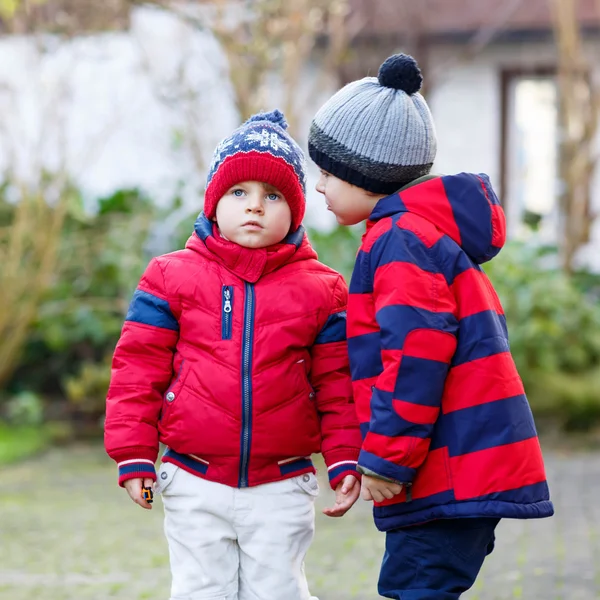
(450, 445)
(233, 354)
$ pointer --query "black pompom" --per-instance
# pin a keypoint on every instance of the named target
(275, 116)
(401, 72)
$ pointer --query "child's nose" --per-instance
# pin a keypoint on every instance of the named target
(254, 203)
(320, 187)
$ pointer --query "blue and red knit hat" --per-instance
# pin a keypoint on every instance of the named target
(259, 150)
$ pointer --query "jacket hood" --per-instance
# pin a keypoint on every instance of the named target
(247, 263)
(464, 207)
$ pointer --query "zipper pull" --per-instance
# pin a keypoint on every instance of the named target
(227, 305)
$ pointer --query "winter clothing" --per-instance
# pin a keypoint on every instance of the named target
(259, 150)
(438, 395)
(440, 559)
(236, 360)
(238, 544)
(376, 133)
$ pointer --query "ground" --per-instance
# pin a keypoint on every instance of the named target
(68, 532)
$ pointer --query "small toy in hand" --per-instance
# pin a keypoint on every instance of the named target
(147, 495)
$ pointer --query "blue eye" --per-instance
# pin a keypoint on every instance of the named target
(273, 197)
(238, 193)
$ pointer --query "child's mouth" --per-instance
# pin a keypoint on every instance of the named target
(252, 225)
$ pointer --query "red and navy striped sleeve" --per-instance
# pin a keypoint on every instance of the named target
(330, 378)
(141, 371)
(415, 312)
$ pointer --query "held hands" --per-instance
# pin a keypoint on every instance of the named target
(134, 489)
(346, 494)
(379, 490)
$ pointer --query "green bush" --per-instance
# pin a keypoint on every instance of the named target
(338, 247)
(554, 330)
(102, 256)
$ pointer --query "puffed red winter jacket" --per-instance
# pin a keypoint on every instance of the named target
(236, 360)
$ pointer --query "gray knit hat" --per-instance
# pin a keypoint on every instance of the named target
(377, 133)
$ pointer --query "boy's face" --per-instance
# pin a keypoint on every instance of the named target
(254, 215)
(349, 204)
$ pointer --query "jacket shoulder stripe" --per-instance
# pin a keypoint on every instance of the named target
(408, 284)
(417, 200)
(334, 329)
(148, 309)
(428, 233)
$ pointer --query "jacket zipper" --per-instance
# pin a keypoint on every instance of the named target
(247, 339)
(227, 307)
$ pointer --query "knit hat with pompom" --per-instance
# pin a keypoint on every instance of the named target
(260, 150)
(377, 133)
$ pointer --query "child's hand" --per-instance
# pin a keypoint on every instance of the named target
(134, 489)
(346, 494)
(379, 490)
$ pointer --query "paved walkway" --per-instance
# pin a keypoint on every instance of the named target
(68, 533)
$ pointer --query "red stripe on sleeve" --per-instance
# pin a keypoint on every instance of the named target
(474, 294)
(430, 344)
(362, 398)
(409, 285)
(481, 381)
(362, 309)
(380, 228)
(405, 451)
(430, 201)
(416, 413)
(497, 469)
(391, 364)
(424, 230)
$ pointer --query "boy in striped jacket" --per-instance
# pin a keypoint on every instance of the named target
(449, 442)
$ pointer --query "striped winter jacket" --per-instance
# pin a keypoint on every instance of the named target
(441, 405)
(236, 360)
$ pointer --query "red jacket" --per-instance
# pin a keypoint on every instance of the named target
(438, 395)
(236, 360)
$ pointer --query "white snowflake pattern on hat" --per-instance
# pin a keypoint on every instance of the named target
(266, 138)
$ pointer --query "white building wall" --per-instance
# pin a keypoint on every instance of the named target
(143, 108)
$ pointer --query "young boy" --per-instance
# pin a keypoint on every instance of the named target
(233, 355)
(450, 445)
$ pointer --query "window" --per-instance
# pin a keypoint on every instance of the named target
(530, 154)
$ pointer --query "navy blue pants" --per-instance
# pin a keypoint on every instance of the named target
(438, 560)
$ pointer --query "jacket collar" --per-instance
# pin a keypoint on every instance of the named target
(248, 263)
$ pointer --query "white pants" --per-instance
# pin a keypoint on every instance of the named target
(237, 544)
